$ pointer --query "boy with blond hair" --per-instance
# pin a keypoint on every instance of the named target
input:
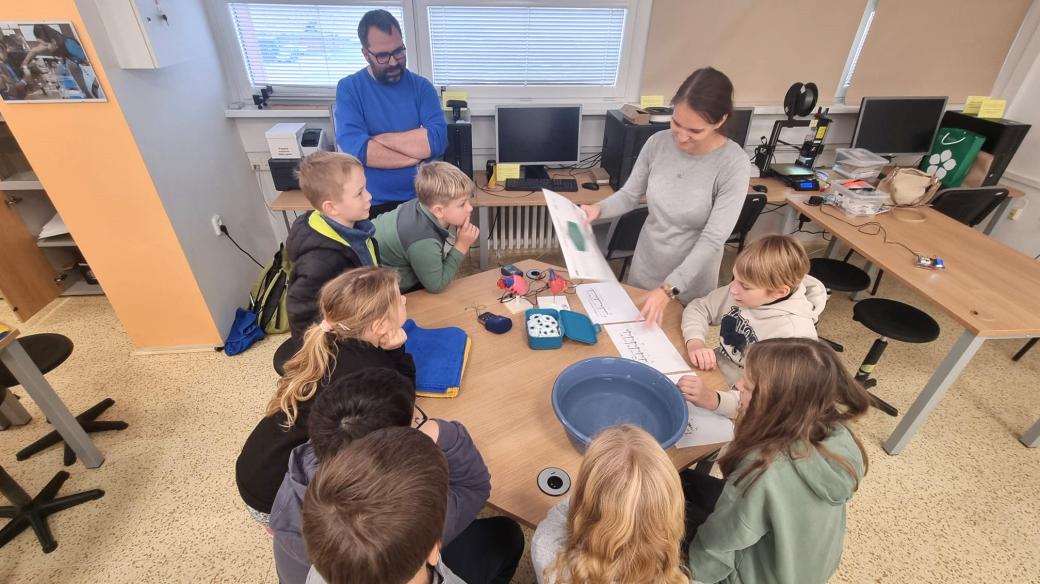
(412, 237)
(771, 296)
(333, 238)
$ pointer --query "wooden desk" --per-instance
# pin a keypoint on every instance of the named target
(504, 400)
(17, 361)
(487, 198)
(779, 193)
(290, 201)
(987, 287)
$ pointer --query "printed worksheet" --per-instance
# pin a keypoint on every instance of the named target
(607, 302)
(646, 344)
(584, 259)
(703, 426)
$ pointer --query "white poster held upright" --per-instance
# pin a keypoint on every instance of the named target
(584, 259)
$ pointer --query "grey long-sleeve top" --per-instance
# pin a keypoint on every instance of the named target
(694, 203)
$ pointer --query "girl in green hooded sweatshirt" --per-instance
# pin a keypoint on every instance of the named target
(793, 465)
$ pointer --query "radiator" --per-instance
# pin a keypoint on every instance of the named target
(521, 229)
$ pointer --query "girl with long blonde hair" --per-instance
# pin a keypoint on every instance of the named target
(362, 315)
(624, 521)
(790, 471)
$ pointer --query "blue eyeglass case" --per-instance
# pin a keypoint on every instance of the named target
(573, 325)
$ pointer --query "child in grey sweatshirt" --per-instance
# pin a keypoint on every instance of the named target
(771, 296)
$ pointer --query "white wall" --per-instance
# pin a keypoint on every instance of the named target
(194, 156)
(1019, 83)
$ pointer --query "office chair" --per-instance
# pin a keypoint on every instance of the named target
(890, 319)
(969, 205)
(284, 352)
(622, 244)
(47, 351)
(753, 205)
(1025, 349)
(838, 276)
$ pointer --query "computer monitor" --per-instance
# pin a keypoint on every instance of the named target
(538, 135)
(898, 125)
(739, 123)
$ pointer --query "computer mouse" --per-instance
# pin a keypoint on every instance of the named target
(760, 188)
(591, 186)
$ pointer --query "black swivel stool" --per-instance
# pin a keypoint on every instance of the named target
(284, 352)
(891, 320)
(838, 276)
(47, 351)
(26, 511)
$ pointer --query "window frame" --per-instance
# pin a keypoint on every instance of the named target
(417, 41)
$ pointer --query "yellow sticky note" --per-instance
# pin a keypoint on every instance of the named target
(971, 106)
(992, 108)
(651, 100)
(504, 170)
(449, 95)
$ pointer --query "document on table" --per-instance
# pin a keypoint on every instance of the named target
(557, 302)
(703, 426)
(588, 263)
(607, 302)
(647, 344)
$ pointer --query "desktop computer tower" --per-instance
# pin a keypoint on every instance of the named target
(622, 141)
(459, 151)
(1003, 137)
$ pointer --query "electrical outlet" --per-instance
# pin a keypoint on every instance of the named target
(1015, 214)
(217, 223)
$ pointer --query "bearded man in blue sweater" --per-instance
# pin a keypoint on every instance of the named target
(387, 116)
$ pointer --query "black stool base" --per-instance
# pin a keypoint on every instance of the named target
(1025, 349)
(882, 405)
(33, 512)
(86, 420)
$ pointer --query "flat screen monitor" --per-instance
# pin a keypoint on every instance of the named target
(536, 135)
(739, 123)
(898, 125)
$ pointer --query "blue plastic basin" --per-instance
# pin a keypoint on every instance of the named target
(600, 392)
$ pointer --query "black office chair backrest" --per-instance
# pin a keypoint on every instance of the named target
(753, 205)
(969, 205)
(626, 232)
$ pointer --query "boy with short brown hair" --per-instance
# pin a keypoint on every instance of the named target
(771, 296)
(333, 238)
(375, 512)
(412, 237)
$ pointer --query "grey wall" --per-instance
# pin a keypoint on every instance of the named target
(194, 156)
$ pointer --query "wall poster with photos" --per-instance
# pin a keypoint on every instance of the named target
(44, 62)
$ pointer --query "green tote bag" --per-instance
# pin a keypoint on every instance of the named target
(953, 152)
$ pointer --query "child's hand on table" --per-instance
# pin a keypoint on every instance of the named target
(700, 356)
(694, 391)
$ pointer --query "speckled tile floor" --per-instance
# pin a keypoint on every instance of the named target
(962, 503)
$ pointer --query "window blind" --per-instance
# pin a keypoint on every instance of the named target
(936, 47)
(505, 45)
(763, 47)
(301, 45)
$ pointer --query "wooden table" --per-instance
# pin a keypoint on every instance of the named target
(987, 287)
(504, 400)
(17, 361)
(290, 201)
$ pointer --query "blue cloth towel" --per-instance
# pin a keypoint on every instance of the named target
(439, 356)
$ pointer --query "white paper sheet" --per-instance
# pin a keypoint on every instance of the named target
(607, 302)
(56, 226)
(557, 302)
(703, 426)
(646, 344)
(585, 265)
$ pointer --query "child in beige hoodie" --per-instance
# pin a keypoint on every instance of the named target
(771, 296)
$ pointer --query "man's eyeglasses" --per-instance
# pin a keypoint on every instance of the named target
(419, 418)
(384, 58)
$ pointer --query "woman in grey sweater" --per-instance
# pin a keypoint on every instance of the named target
(695, 180)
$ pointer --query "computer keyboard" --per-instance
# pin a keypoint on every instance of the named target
(560, 185)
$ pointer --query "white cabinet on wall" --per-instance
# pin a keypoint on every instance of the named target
(141, 32)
